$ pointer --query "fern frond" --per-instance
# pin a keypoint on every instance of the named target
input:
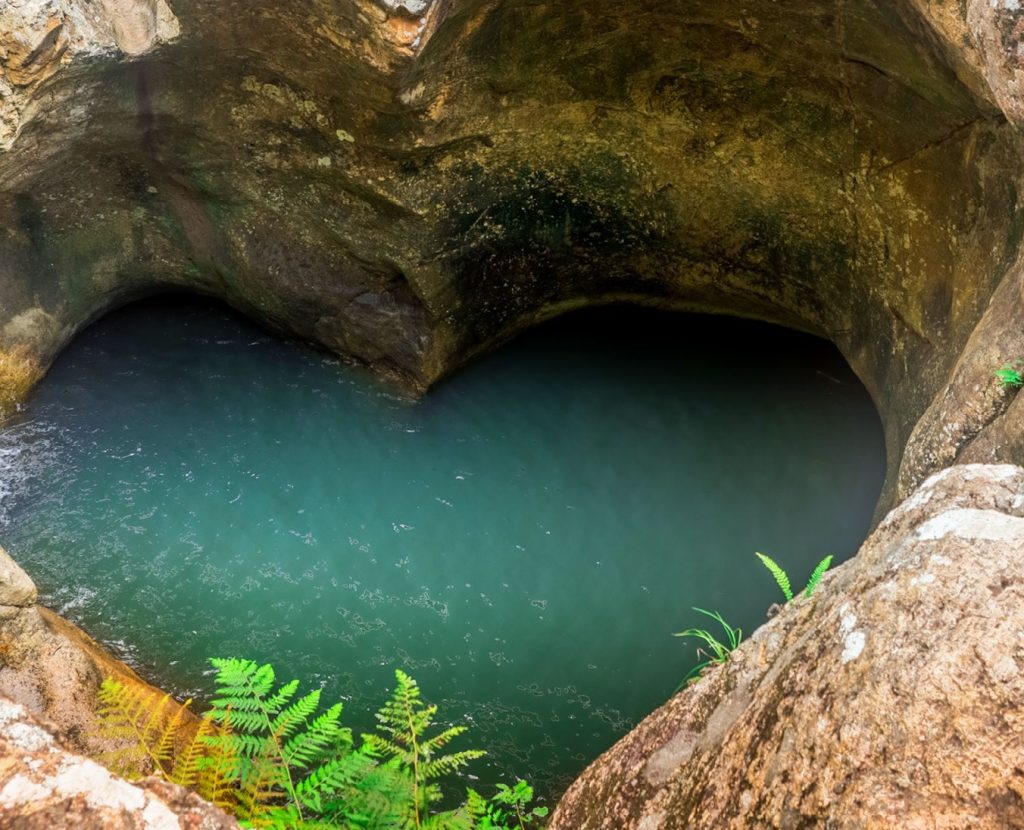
(333, 778)
(280, 698)
(294, 716)
(325, 733)
(781, 578)
(447, 764)
(450, 820)
(146, 721)
(186, 770)
(441, 739)
(381, 746)
(477, 808)
(817, 574)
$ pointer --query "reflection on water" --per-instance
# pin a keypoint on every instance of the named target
(523, 541)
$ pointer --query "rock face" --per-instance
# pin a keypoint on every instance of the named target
(43, 786)
(409, 183)
(38, 38)
(893, 697)
(49, 665)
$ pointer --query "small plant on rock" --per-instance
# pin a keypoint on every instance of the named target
(1010, 376)
(782, 578)
(508, 809)
(714, 651)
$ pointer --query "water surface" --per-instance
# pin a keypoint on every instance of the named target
(523, 541)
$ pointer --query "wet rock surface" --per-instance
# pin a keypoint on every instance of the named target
(890, 698)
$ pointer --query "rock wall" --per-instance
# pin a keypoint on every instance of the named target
(892, 697)
(409, 184)
(38, 38)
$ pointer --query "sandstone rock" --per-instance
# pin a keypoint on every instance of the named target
(54, 669)
(413, 184)
(38, 38)
(44, 786)
(16, 589)
(891, 698)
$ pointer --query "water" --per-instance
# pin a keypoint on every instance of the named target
(523, 541)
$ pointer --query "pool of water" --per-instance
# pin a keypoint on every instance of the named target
(523, 541)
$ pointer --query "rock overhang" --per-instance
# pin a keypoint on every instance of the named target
(412, 200)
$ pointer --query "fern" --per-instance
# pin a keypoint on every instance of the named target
(781, 578)
(817, 574)
(405, 720)
(274, 760)
(273, 738)
(146, 723)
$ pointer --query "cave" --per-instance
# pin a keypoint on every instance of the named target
(409, 185)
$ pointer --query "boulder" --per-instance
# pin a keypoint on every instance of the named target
(49, 665)
(17, 590)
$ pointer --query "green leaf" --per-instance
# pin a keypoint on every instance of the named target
(817, 574)
(1010, 376)
(781, 578)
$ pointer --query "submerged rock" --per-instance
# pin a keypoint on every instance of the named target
(893, 697)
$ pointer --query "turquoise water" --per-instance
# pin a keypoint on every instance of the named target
(523, 541)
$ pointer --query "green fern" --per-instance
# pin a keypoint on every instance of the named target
(275, 761)
(404, 721)
(275, 739)
(781, 577)
(817, 574)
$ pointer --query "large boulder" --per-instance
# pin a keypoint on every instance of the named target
(51, 666)
(893, 697)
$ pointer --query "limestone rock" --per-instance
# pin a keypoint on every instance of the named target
(44, 786)
(894, 697)
(16, 589)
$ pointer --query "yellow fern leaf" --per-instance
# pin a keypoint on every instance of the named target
(146, 723)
